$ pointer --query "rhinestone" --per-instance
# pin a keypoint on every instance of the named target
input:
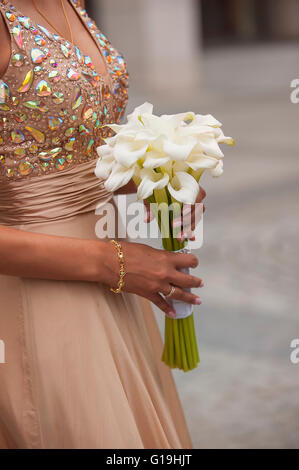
(94, 116)
(69, 132)
(24, 20)
(65, 50)
(1, 140)
(38, 70)
(4, 107)
(72, 74)
(93, 80)
(44, 166)
(43, 88)
(25, 168)
(63, 112)
(17, 60)
(89, 147)
(20, 117)
(2, 159)
(33, 30)
(39, 40)
(36, 116)
(33, 148)
(45, 31)
(70, 144)
(4, 91)
(37, 55)
(60, 163)
(77, 99)
(17, 137)
(14, 101)
(58, 97)
(54, 75)
(20, 153)
(36, 134)
(83, 129)
(17, 34)
(47, 52)
(50, 154)
(54, 123)
(27, 82)
(10, 16)
(40, 106)
(69, 158)
(55, 140)
(88, 62)
(10, 172)
(57, 37)
(53, 63)
(87, 113)
(79, 55)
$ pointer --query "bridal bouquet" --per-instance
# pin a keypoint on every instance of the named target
(165, 155)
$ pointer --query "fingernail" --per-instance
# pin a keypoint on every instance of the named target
(201, 284)
(198, 301)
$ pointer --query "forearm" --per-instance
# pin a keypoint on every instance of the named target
(34, 255)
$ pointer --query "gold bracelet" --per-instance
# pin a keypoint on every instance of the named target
(122, 271)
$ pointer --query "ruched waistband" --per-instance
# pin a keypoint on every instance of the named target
(51, 197)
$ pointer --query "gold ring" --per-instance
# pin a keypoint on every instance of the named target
(171, 292)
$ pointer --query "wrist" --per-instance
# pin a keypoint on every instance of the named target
(107, 264)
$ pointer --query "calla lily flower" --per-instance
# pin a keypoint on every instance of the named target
(184, 188)
(151, 180)
(119, 177)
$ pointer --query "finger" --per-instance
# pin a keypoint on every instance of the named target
(181, 279)
(184, 260)
(185, 296)
(148, 215)
(158, 300)
(201, 194)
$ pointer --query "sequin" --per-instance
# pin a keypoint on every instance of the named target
(60, 163)
(37, 55)
(66, 52)
(43, 88)
(10, 16)
(27, 82)
(54, 123)
(77, 98)
(45, 31)
(79, 55)
(25, 168)
(20, 117)
(58, 97)
(17, 60)
(87, 112)
(17, 34)
(54, 75)
(39, 40)
(89, 148)
(69, 132)
(20, 153)
(24, 20)
(17, 137)
(53, 63)
(39, 105)
(38, 135)
(70, 144)
(72, 74)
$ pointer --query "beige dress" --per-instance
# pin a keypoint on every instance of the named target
(82, 365)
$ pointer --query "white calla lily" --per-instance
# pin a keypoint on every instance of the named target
(218, 170)
(128, 151)
(119, 176)
(184, 188)
(151, 180)
(105, 162)
(179, 149)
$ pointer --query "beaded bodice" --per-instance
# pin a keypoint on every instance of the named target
(53, 103)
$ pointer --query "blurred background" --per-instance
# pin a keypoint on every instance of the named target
(235, 59)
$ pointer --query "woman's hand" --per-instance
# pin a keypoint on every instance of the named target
(150, 272)
(190, 217)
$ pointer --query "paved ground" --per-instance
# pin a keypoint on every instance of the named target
(245, 393)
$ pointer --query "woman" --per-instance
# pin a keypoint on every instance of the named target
(83, 365)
